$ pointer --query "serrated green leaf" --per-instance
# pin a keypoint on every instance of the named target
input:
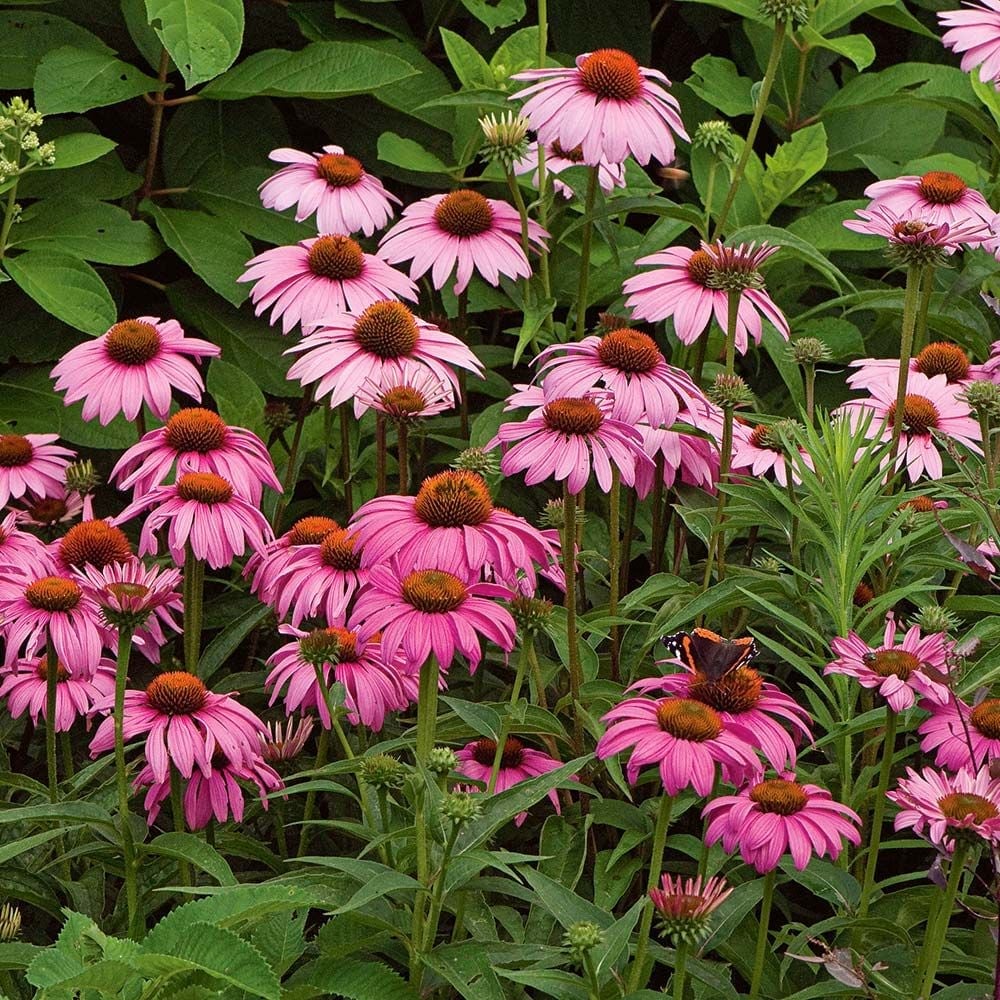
(496, 13)
(27, 35)
(203, 37)
(718, 82)
(411, 155)
(188, 847)
(791, 165)
(472, 70)
(857, 48)
(357, 980)
(79, 147)
(77, 79)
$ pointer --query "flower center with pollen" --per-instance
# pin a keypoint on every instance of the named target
(195, 429)
(15, 450)
(387, 329)
(204, 487)
(132, 342)
(339, 170)
(700, 268)
(62, 674)
(434, 591)
(464, 213)
(128, 593)
(337, 258)
(687, 719)
(48, 511)
(53, 593)
(176, 693)
(94, 543)
(961, 805)
(941, 187)
(574, 155)
(892, 663)
(403, 402)
(779, 796)
(337, 551)
(943, 359)
(739, 691)
(611, 75)
(311, 530)
(573, 416)
(920, 415)
(483, 752)
(329, 645)
(986, 718)
(921, 504)
(629, 351)
(761, 438)
(453, 499)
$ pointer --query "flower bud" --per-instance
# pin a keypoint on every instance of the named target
(582, 937)
(808, 351)
(442, 761)
(461, 808)
(730, 392)
(382, 771)
(506, 139)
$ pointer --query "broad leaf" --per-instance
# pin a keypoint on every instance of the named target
(76, 79)
(203, 37)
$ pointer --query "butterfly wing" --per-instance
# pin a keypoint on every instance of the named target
(709, 653)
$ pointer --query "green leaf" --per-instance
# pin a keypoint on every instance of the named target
(188, 847)
(17, 847)
(857, 48)
(281, 940)
(228, 640)
(833, 14)
(90, 230)
(26, 36)
(212, 950)
(232, 195)
(481, 718)
(66, 287)
(79, 147)
(320, 71)
(357, 980)
(59, 812)
(216, 251)
(203, 37)
(409, 154)
(791, 165)
(78, 79)
(240, 401)
(718, 82)
(796, 246)
(496, 13)
(472, 70)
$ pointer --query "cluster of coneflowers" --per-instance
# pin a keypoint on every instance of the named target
(377, 610)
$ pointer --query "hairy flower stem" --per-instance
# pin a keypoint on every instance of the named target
(345, 457)
(937, 925)
(585, 245)
(658, 537)
(572, 639)
(913, 275)
(614, 566)
(878, 812)
(758, 116)
(380, 456)
(809, 377)
(639, 974)
(926, 291)
(121, 778)
(177, 807)
(51, 692)
(402, 441)
(765, 919)
(426, 728)
(989, 463)
(194, 595)
(437, 898)
(462, 331)
(515, 694)
(680, 969)
(322, 754)
(593, 983)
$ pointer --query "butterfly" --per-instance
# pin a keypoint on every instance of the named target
(709, 653)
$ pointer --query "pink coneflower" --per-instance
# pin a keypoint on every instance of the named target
(216, 795)
(20, 550)
(452, 523)
(56, 509)
(607, 104)
(202, 509)
(778, 816)
(31, 465)
(914, 234)
(742, 697)
(286, 740)
(939, 358)
(319, 578)
(931, 407)
(935, 197)
(354, 351)
(630, 365)
(373, 683)
(557, 159)
(761, 449)
(690, 285)
(684, 737)
(917, 666)
(92, 543)
(963, 735)
(687, 458)
(313, 280)
(25, 684)
(265, 567)
(197, 440)
(943, 806)
(685, 905)
(34, 610)
(464, 233)
(517, 763)
(975, 33)
(407, 393)
(432, 611)
(568, 439)
(184, 724)
(137, 361)
(345, 198)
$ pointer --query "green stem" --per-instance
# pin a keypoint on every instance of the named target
(121, 778)
(988, 463)
(51, 693)
(588, 234)
(345, 456)
(926, 291)
(402, 435)
(515, 693)
(709, 195)
(758, 116)
(638, 976)
(572, 639)
(9, 213)
(437, 898)
(658, 536)
(934, 942)
(593, 983)
(380, 455)
(878, 811)
(322, 754)
(156, 126)
(809, 375)
(461, 331)
(288, 486)
(680, 970)
(177, 806)
(614, 565)
(278, 820)
(194, 595)
(765, 919)
(913, 275)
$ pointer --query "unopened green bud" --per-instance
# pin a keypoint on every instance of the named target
(485, 463)
(442, 761)
(785, 10)
(983, 397)
(382, 771)
(553, 514)
(934, 618)
(582, 937)
(716, 137)
(505, 139)
(730, 392)
(808, 351)
(82, 478)
(531, 614)
(461, 807)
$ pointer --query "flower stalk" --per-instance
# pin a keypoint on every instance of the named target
(878, 811)
(194, 596)
(639, 974)
(765, 919)
(121, 780)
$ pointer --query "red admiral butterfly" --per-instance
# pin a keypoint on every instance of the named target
(709, 653)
